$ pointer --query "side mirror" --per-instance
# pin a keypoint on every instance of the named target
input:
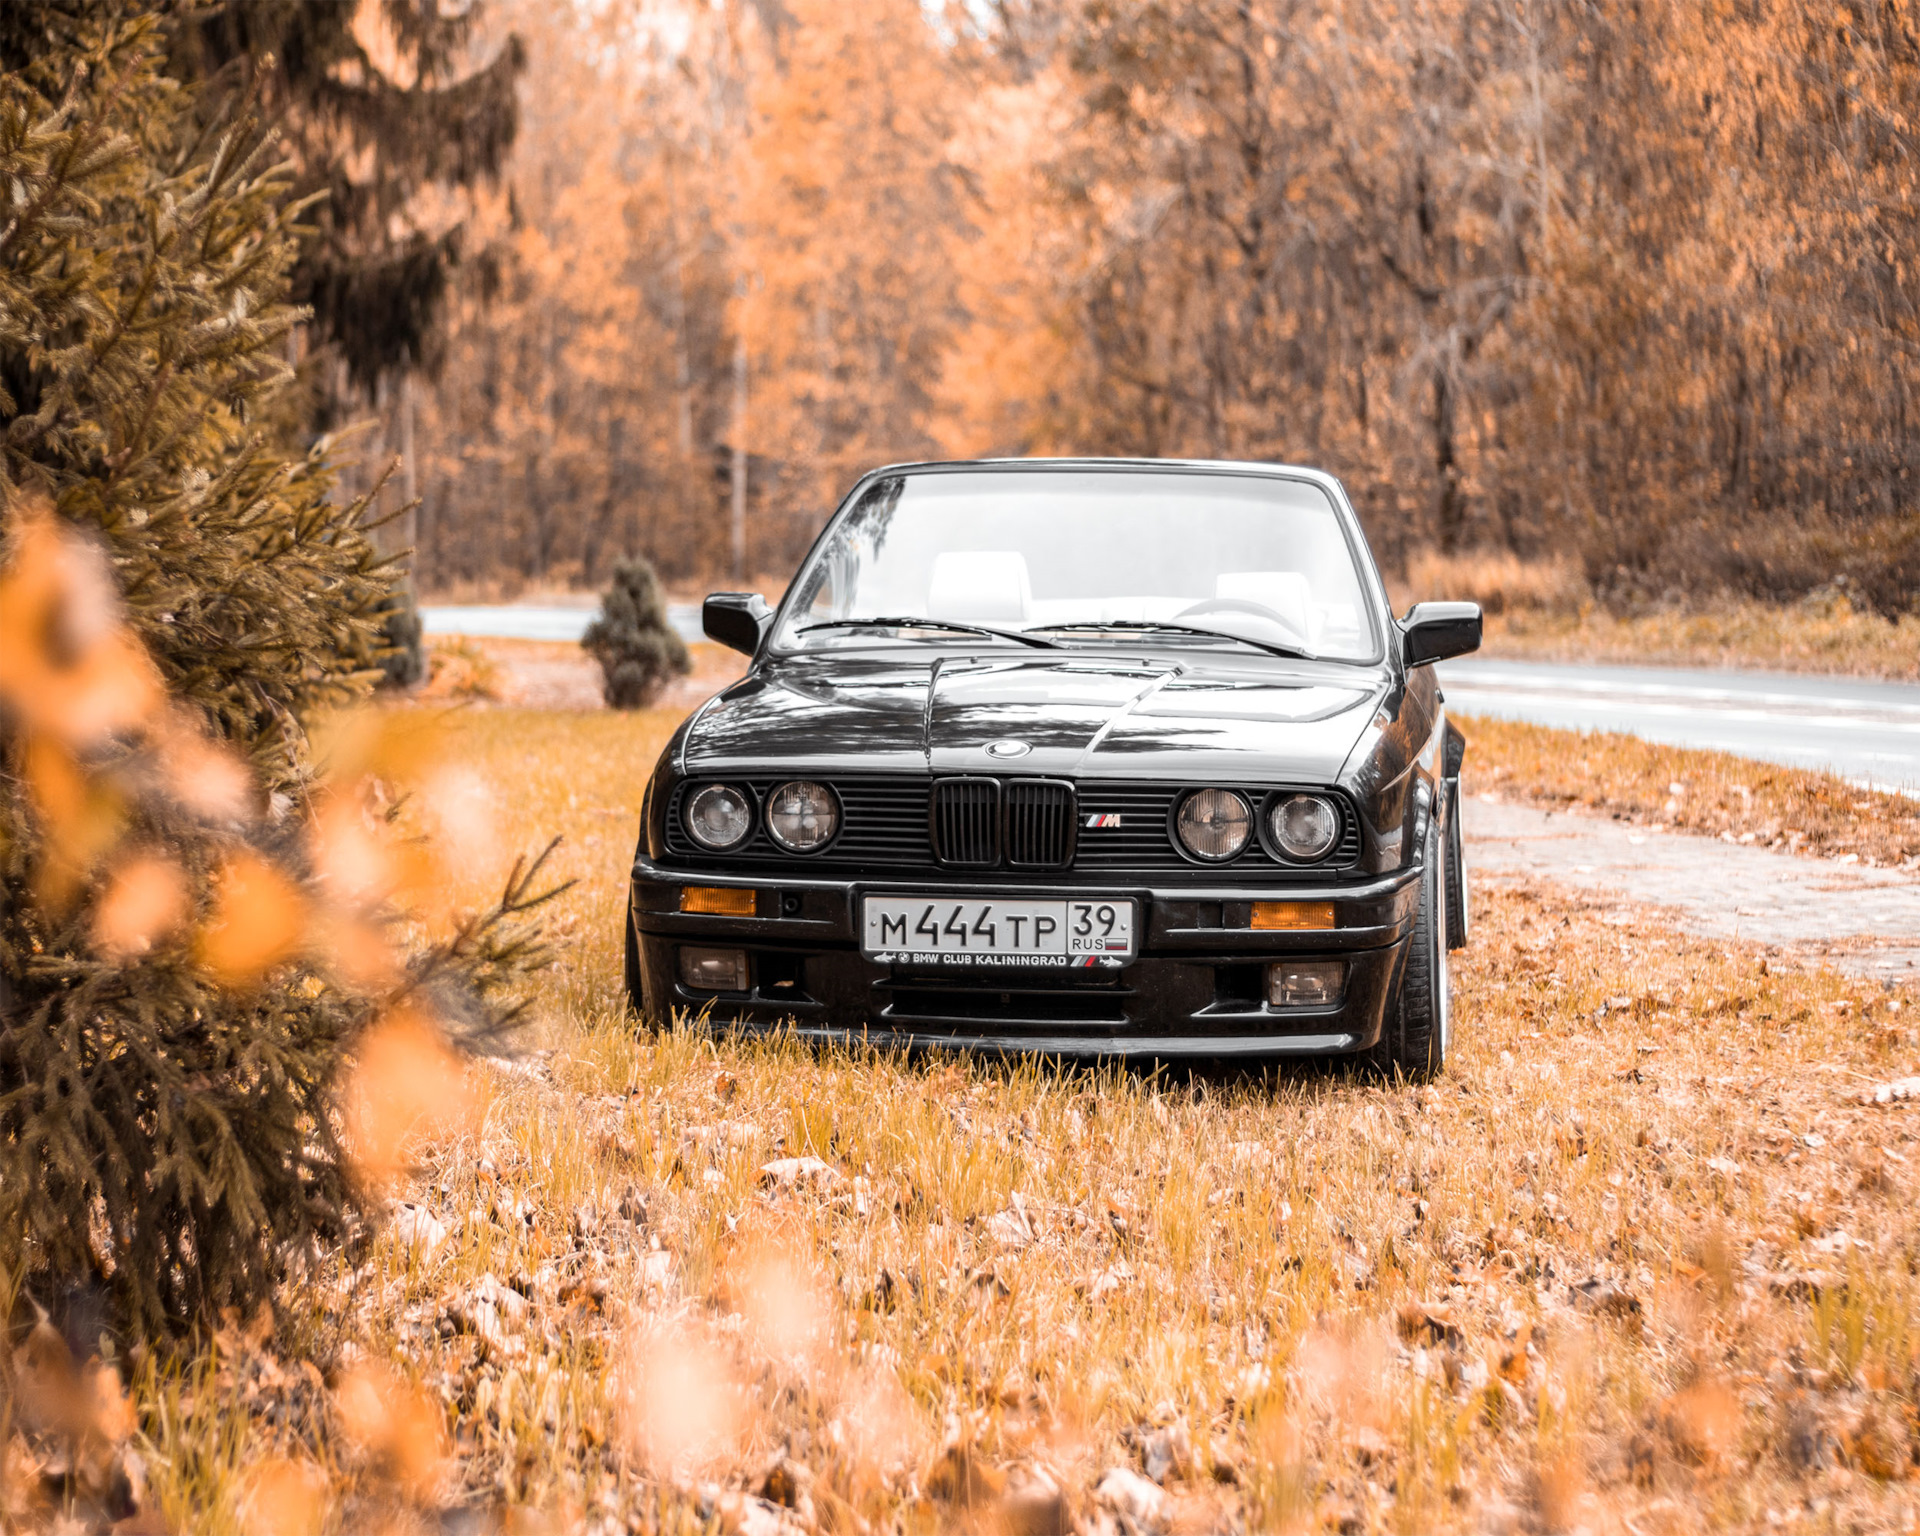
(738, 620)
(1435, 631)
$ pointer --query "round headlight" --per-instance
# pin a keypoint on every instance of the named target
(1304, 827)
(1213, 824)
(719, 816)
(802, 816)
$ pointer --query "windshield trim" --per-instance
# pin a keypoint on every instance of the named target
(1366, 568)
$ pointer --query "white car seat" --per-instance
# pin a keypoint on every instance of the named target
(986, 585)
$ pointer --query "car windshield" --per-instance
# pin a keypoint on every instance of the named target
(1066, 556)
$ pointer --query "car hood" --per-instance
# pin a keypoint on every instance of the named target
(1077, 716)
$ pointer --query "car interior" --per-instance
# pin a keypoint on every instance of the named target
(996, 587)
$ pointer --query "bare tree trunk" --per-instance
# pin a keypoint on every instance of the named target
(1540, 136)
(682, 355)
(739, 467)
(600, 529)
(542, 512)
(387, 537)
(536, 520)
(1446, 466)
(409, 478)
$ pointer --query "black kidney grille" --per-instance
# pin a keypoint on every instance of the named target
(1040, 817)
(965, 822)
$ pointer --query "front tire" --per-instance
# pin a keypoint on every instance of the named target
(1417, 1031)
(1459, 919)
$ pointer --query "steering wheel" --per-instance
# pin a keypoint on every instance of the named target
(1241, 605)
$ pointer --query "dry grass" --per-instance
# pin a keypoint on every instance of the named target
(1542, 610)
(1823, 635)
(1713, 793)
(460, 669)
(554, 674)
(1497, 579)
(1639, 1263)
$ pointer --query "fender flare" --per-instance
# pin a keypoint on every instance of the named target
(1453, 751)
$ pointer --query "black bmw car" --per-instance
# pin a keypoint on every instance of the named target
(1085, 757)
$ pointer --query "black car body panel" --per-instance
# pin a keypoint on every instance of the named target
(1078, 713)
(1121, 729)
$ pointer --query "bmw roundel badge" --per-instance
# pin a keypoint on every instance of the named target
(1008, 748)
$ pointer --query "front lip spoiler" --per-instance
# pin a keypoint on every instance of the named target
(1079, 1047)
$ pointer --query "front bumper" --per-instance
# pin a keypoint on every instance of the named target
(1196, 987)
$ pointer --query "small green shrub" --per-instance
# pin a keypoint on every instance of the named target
(638, 651)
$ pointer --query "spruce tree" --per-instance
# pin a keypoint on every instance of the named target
(167, 1133)
(638, 649)
(370, 135)
(144, 313)
(367, 136)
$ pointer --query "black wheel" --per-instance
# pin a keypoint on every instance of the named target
(1459, 920)
(1415, 1034)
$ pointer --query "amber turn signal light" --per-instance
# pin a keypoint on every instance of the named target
(718, 900)
(1293, 914)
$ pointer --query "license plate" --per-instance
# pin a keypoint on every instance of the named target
(903, 930)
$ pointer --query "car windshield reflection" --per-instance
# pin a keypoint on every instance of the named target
(1079, 555)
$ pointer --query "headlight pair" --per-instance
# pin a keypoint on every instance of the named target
(1215, 825)
(801, 816)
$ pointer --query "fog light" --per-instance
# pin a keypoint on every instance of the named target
(714, 970)
(1306, 983)
(718, 900)
(1293, 914)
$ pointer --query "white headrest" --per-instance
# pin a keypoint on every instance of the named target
(979, 584)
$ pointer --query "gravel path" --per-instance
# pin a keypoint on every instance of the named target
(1861, 920)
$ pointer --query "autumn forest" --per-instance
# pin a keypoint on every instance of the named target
(1632, 283)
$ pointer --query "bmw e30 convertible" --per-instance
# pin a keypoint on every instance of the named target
(1098, 758)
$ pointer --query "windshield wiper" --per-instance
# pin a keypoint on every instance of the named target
(913, 623)
(1142, 625)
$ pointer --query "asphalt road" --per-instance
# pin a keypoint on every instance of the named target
(1870, 732)
(526, 621)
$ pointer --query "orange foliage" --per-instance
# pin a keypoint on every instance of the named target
(144, 900)
(259, 919)
(284, 1498)
(405, 1083)
(1570, 282)
(68, 670)
(397, 1426)
(853, 219)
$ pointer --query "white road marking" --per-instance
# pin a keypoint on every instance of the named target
(1466, 698)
